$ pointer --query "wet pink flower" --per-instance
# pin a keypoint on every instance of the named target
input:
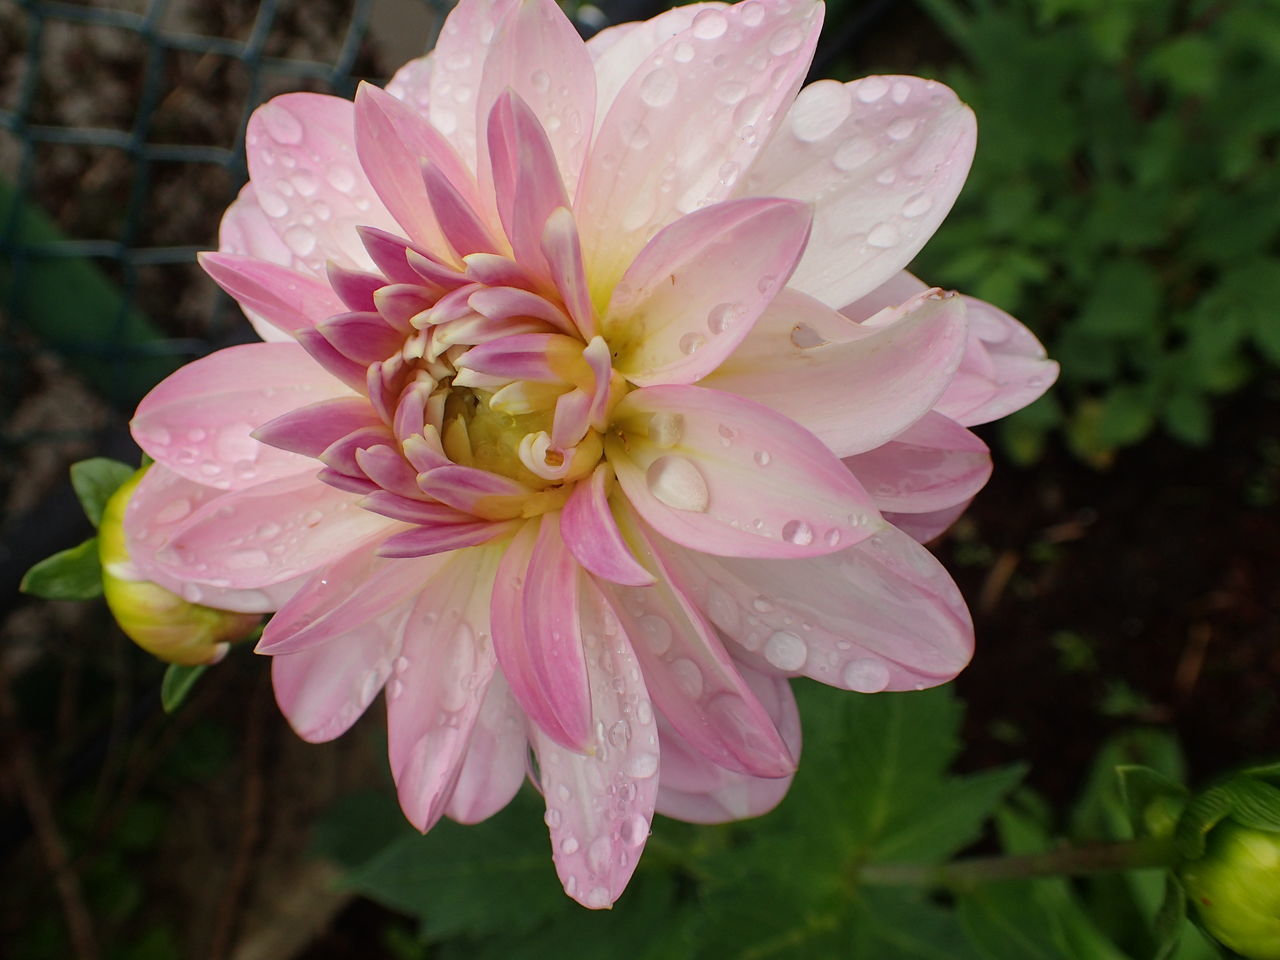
(593, 405)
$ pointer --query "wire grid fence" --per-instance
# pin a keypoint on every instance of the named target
(121, 142)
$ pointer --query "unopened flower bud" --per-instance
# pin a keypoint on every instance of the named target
(159, 621)
(1235, 889)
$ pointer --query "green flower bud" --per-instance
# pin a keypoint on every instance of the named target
(1235, 889)
(161, 622)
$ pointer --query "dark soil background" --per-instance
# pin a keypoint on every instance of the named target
(1148, 593)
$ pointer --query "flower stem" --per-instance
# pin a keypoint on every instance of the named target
(1145, 853)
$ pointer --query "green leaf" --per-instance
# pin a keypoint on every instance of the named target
(177, 683)
(1142, 786)
(1254, 804)
(1201, 815)
(1005, 921)
(95, 481)
(74, 574)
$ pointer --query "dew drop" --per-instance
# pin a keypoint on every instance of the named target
(666, 429)
(596, 898)
(598, 855)
(752, 13)
(656, 633)
(731, 92)
(901, 128)
(883, 235)
(722, 316)
(785, 39)
(642, 764)
(871, 89)
(797, 532)
(541, 81)
(727, 434)
(688, 677)
(678, 483)
(569, 846)
(192, 593)
(273, 205)
(247, 559)
(173, 511)
(637, 138)
(866, 676)
(763, 458)
(683, 52)
(901, 90)
(710, 24)
(659, 87)
(917, 206)
(341, 178)
(300, 240)
(268, 530)
(762, 605)
(786, 651)
(394, 689)
(833, 538)
(552, 818)
(620, 733)
(690, 343)
(305, 183)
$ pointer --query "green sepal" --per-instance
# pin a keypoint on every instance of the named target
(95, 480)
(1254, 804)
(74, 574)
(1201, 815)
(1170, 920)
(177, 683)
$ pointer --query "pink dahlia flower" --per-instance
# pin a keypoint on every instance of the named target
(593, 405)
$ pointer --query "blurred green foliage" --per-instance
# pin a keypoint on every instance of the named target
(1123, 203)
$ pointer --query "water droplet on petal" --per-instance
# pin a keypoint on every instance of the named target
(247, 559)
(300, 240)
(785, 39)
(833, 538)
(656, 633)
(691, 342)
(918, 205)
(659, 87)
(723, 316)
(683, 52)
(763, 458)
(901, 128)
(710, 24)
(341, 178)
(853, 153)
(688, 677)
(596, 898)
(753, 13)
(569, 846)
(901, 90)
(678, 483)
(871, 89)
(598, 855)
(866, 675)
(552, 818)
(666, 429)
(273, 205)
(883, 235)
(541, 81)
(786, 651)
(620, 733)
(642, 764)
(797, 532)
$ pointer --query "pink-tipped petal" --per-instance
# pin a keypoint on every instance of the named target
(363, 337)
(495, 762)
(439, 682)
(322, 691)
(199, 421)
(160, 503)
(884, 159)
(520, 662)
(269, 533)
(563, 253)
(538, 57)
(1011, 369)
(600, 802)
(856, 392)
(698, 791)
(592, 534)
(924, 527)
(687, 123)
(691, 678)
(461, 224)
(458, 63)
(881, 615)
(932, 465)
(326, 608)
(286, 300)
(698, 286)
(308, 180)
(392, 141)
(312, 429)
(723, 474)
(429, 540)
(475, 491)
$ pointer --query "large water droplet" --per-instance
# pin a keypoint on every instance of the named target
(596, 898)
(797, 532)
(300, 240)
(723, 316)
(786, 651)
(569, 845)
(642, 764)
(901, 128)
(659, 87)
(688, 677)
(666, 429)
(866, 676)
(690, 343)
(785, 39)
(656, 633)
(918, 205)
(678, 483)
(871, 89)
(710, 24)
(683, 52)
(598, 855)
(763, 458)
(341, 178)
(883, 235)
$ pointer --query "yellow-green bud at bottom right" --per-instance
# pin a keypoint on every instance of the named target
(159, 621)
(1235, 889)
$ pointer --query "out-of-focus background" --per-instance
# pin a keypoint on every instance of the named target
(1123, 566)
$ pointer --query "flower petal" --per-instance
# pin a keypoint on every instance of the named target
(439, 683)
(268, 534)
(245, 231)
(1011, 369)
(412, 83)
(539, 58)
(392, 141)
(855, 392)
(924, 527)
(881, 615)
(324, 690)
(199, 421)
(308, 180)
(284, 299)
(932, 465)
(884, 159)
(600, 803)
(693, 116)
(159, 505)
(723, 474)
(698, 791)
(327, 608)
(592, 534)
(495, 762)
(699, 285)
(690, 676)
